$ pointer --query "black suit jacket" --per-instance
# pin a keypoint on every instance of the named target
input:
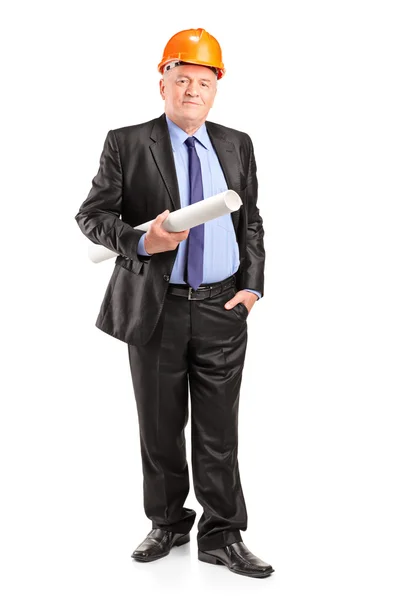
(135, 182)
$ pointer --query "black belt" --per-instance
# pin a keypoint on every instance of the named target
(204, 291)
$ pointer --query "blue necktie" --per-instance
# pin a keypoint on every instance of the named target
(195, 239)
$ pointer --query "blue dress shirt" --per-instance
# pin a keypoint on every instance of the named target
(219, 234)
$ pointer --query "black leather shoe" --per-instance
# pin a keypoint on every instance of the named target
(238, 558)
(158, 543)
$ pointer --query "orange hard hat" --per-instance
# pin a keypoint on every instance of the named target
(194, 46)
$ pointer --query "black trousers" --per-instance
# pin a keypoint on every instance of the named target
(198, 346)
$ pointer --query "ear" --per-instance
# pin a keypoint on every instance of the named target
(162, 88)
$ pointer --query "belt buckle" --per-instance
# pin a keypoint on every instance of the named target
(199, 288)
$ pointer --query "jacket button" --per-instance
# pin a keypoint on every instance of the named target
(166, 277)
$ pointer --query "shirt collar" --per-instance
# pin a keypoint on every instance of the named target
(178, 136)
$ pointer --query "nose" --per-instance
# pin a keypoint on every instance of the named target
(192, 89)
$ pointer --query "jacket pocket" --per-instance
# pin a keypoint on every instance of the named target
(135, 266)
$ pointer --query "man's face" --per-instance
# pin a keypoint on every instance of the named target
(189, 92)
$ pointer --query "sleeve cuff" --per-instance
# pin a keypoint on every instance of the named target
(140, 248)
(254, 292)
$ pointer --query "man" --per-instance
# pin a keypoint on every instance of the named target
(181, 300)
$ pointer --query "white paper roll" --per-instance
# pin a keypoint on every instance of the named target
(181, 219)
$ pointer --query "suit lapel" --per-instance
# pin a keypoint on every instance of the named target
(161, 150)
(164, 158)
(229, 161)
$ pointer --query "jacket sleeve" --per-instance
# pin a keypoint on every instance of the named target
(99, 215)
(253, 271)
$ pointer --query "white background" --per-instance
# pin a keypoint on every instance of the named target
(316, 86)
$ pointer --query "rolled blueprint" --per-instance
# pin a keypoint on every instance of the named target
(181, 219)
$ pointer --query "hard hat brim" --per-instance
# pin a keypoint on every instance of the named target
(220, 71)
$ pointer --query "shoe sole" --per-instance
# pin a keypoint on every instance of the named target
(179, 542)
(213, 560)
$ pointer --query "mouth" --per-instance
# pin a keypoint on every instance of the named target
(193, 103)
